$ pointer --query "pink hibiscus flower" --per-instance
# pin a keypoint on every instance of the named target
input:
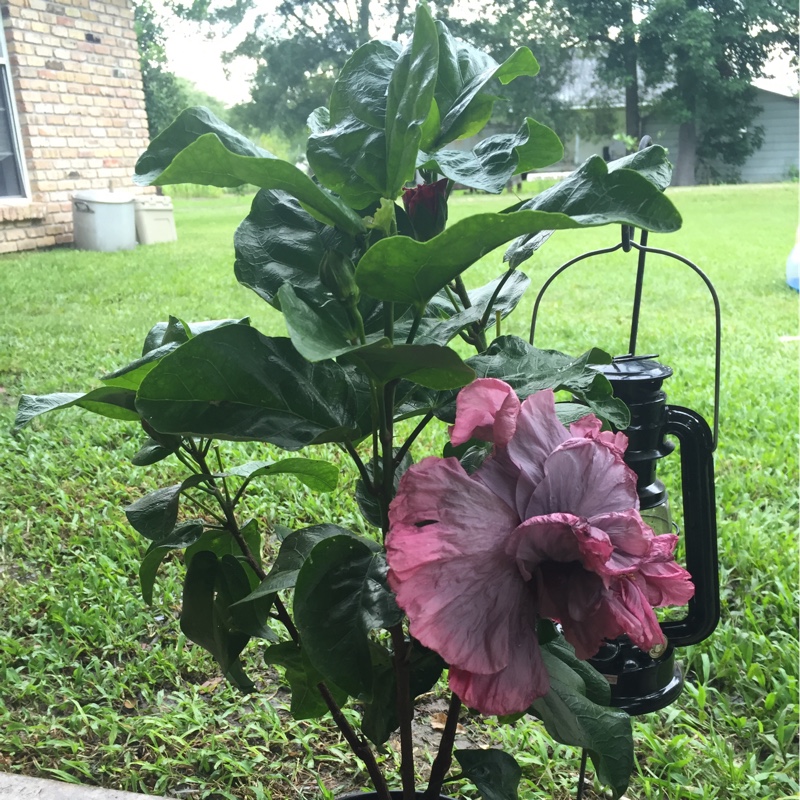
(546, 527)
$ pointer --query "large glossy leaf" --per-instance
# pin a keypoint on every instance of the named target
(303, 679)
(199, 148)
(464, 97)
(429, 365)
(206, 597)
(349, 157)
(571, 718)
(651, 163)
(408, 101)
(317, 335)
(597, 194)
(178, 331)
(152, 451)
(234, 383)
(321, 476)
(596, 686)
(401, 269)
(234, 583)
(492, 162)
(154, 515)
(495, 773)
(183, 535)
(106, 401)
(294, 550)
(222, 543)
(340, 596)
(278, 242)
(529, 370)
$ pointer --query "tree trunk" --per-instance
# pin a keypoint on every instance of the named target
(363, 22)
(687, 155)
(630, 50)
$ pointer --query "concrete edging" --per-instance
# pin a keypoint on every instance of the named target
(22, 787)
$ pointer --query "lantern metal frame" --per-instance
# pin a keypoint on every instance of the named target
(649, 681)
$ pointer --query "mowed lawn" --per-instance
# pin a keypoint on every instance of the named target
(96, 687)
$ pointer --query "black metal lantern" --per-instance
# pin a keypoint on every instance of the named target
(646, 681)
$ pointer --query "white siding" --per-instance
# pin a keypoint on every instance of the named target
(778, 155)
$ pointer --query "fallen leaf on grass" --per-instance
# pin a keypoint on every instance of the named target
(439, 720)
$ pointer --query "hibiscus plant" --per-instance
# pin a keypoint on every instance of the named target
(505, 561)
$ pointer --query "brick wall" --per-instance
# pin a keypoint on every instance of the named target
(74, 67)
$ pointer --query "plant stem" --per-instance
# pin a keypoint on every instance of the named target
(444, 757)
(358, 744)
(400, 455)
(487, 314)
(405, 710)
(478, 335)
(362, 470)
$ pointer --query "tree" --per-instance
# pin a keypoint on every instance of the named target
(301, 47)
(710, 51)
(707, 52)
(164, 95)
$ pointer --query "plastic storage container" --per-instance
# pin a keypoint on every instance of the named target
(155, 221)
(103, 221)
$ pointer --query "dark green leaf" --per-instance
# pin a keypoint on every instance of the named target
(495, 774)
(233, 585)
(316, 337)
(295, 548)
(130, 376)
(203, 617)
(199, 148)
(182, 536)
(596, 686)
(403, 270)
(151, 452)
(367, 502)
(408, 102)
(278, 242)
(222, 543)
(463, 98)
(595, 194)
(571, 718)
(155, 514)
(491, 163)
(652, 163)
(321, 476)
(340, 596)
(106, 401)
(428, 365)
(233, 383)
(175, 331)
(529, 370)
(307, 702)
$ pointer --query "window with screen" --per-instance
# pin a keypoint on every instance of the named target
(12, 183)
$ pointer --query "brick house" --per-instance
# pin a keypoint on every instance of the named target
(72, 113)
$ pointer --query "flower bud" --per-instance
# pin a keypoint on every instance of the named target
(426, 206)
(337, 275)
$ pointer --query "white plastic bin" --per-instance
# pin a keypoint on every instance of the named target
(103, 221)
(155, 220)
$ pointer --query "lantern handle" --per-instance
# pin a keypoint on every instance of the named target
(628, 243)
(699, 526)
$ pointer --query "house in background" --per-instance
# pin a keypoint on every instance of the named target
(72, 114)
(777, 159)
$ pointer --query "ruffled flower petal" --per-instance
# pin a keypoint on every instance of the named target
(584, 479)
(512, 689)
(445, 549)
(558, 538)
(487, 409)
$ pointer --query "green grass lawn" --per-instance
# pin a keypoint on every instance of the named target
(99, 688)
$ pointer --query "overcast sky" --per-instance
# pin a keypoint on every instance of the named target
(199, 60)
